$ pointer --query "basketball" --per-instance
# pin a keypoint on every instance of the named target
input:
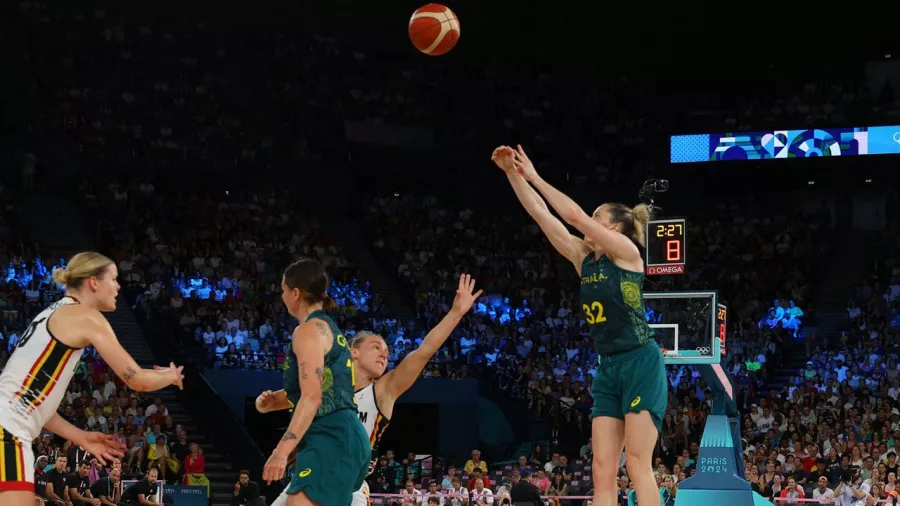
(434, 29)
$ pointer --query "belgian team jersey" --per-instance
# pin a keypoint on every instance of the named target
(36, 377)
(613, 306)
(337, 376)
(372, 419)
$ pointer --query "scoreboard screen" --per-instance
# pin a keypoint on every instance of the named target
(665, 247)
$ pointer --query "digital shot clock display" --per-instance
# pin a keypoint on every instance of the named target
(666, 247)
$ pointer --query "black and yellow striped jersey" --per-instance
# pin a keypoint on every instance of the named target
(36, 376)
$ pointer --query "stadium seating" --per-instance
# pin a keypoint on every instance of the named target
(155, 99)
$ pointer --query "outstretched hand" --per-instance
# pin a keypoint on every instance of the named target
(464, 296)
(176, 372)
(523, 164)
(102, 446)
(504, 156)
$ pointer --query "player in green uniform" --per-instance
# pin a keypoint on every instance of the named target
(630, 389)
(332, 448)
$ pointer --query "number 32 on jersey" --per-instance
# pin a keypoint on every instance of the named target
(593, 313)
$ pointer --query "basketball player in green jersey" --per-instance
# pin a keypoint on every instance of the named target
(331, 445)
(630, 389)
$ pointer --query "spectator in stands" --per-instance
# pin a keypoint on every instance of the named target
(505, 484)
(558, 487)
(143, 492)
(40, 476)
(79, 485)
(459, 494)
(523, 491)
(537, 454)
(792, 491)
(447, 482)
(179, 449)
(76, 455)
(158, 457)
(156, 409)
(822, 491)
(195, 468)
(56, 491)
(852, 488)
(552, 463)
(246, 491)
(540, 480)
(108, 489)
(481, 495)
(412, 467)
(475, 462)
(774, 490)
(478, 475)
(432, 493)
(136, 446)
(523, 464)
(409, 496)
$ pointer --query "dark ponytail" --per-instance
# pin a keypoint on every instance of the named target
(328, 304)
(308, 275)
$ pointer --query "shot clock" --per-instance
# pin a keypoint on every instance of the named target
(665, 247)
(721, 327)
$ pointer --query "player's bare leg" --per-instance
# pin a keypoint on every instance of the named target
(607, 441)
(17, 498)
(640, 440)
(300, 499)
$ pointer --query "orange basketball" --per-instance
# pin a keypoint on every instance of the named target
(434, 29)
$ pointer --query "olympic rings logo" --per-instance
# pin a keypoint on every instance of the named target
(703, 350)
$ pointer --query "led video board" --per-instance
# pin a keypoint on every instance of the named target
(855, 141)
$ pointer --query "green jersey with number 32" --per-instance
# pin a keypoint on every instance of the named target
(613, 306)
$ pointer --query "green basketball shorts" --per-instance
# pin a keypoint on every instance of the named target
(631, 382)
(332, 459)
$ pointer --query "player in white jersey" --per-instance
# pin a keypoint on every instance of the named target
(37, 374)
(376, 392)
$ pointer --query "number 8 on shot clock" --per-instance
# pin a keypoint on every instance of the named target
(666, 250)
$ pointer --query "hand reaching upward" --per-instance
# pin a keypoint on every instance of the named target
(464, 296)
(504, 156)
(523, 164)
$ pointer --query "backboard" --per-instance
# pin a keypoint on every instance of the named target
(687, 325)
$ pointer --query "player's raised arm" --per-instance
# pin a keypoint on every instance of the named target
(405, 374)
(566, 244)
(100, 335)
(617, 245)
(310, 343)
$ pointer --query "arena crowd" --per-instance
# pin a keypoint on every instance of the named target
(159, 97)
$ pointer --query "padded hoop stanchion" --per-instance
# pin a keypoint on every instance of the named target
(719, 479)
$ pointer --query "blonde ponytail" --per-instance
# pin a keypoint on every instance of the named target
(82, 266)
(640, 216)
(61, 276)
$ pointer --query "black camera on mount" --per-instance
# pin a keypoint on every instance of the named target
(657, 185)
(649, 190)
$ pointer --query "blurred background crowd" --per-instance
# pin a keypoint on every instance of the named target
(173, 122)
